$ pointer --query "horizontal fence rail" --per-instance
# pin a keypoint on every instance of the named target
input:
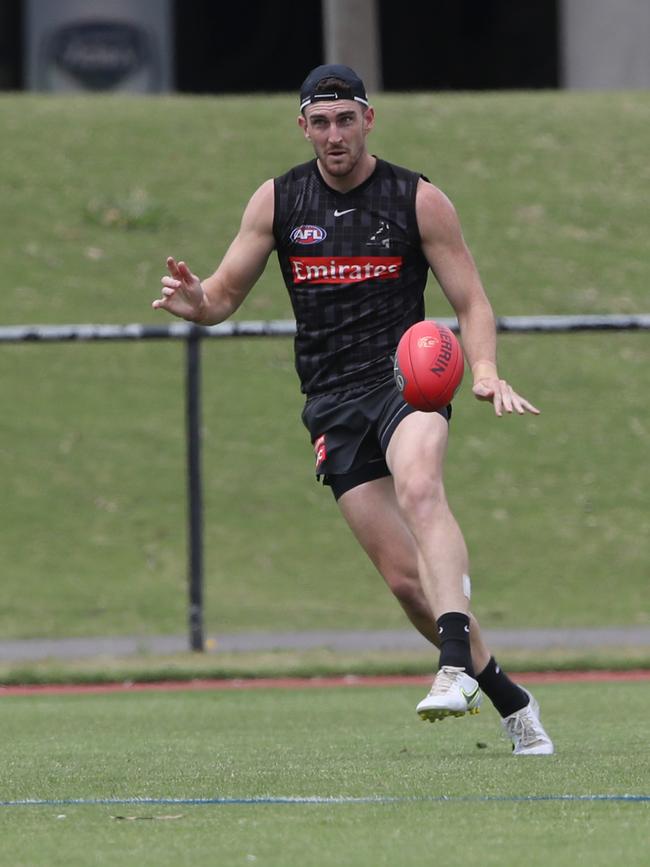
(193, 335)
(287, 328)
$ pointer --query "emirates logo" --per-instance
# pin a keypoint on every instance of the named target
(344, 269)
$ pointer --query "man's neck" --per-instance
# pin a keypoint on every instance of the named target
(343, 184)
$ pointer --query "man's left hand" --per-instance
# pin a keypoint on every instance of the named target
(503, 397)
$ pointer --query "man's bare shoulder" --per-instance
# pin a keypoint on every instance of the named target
(263, 195)
(434, 210)
(430, 197)
(260, 208)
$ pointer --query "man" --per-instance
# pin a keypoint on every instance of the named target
(355, 237)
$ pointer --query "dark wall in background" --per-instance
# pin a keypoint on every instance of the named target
(247, 46)
(11, 49)
(271, 44)
(441, 44)
(470, 44)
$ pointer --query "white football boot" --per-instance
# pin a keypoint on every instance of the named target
(454, 693)
(526, 732)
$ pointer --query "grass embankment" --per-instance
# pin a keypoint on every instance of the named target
(551, 192)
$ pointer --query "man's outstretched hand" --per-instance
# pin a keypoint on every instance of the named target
(503, 397)
(182, 293)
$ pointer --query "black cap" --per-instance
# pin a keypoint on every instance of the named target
(354, 87)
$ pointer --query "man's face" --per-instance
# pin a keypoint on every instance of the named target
(337, 131)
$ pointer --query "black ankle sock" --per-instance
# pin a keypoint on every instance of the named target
(453, 629)
(505, 695)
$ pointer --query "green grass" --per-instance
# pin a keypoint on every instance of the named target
(95, 512)
(550, 188)
(328, 743)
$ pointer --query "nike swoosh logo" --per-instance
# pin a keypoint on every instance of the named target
(341, 213)
(469, 697)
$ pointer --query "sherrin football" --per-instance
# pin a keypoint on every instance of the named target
(429, 365)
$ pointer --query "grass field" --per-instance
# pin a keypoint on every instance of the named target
(450, 792)
(551, 192)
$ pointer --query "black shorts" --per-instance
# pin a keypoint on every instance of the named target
(350, 432)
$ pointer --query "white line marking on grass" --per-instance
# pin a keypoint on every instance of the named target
(317, 799)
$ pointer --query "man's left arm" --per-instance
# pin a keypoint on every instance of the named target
(456, 272)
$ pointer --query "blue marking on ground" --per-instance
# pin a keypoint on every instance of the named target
(316, 799)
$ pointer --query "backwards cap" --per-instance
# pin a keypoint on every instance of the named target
(354, 87)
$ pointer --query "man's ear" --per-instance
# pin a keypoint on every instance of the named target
(302, 123)
(369, 118)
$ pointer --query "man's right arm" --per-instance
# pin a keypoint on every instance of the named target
(214, 299)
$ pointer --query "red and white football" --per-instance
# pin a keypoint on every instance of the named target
(429, 365)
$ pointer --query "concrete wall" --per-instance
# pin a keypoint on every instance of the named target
(605, 44)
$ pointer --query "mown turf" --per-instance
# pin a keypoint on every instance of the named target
(345, 742)
(550, 188)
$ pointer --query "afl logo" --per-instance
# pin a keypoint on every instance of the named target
(308, 235)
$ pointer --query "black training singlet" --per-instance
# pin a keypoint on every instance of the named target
(355, 271)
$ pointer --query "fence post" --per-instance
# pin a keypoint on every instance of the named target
(194, 488)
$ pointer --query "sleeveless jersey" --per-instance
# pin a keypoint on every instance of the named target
(353, 265)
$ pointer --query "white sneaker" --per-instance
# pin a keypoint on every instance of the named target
(526, 732)
(454, 693)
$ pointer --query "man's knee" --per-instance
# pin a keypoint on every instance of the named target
(420, 495)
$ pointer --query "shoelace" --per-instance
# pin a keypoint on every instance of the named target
(523, 726)
(445, 679)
